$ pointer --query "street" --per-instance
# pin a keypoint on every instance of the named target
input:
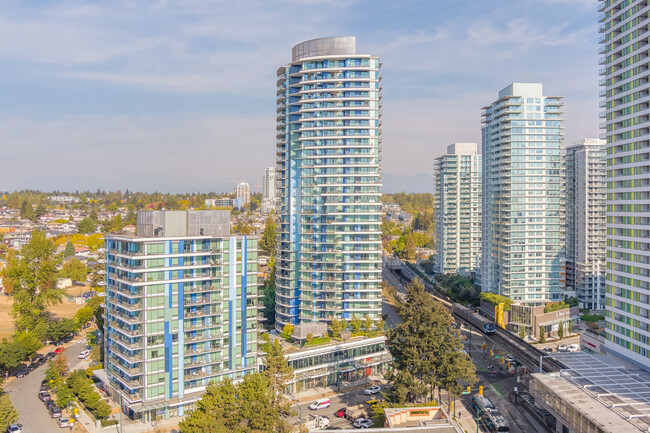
(24, 391)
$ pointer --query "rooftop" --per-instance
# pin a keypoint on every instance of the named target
(610, 395)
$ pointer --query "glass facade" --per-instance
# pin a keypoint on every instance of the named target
(457, 177)
(623, 44)
(180, 312)
(523, 196)
(328, 152)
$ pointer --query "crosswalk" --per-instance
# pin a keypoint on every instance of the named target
(80, 340)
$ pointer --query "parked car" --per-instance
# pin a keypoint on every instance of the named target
(320, 404)
(547, 350)
(15, 428)
(573, 348)
(372, 390)
(44, 396)
(510, 358)
(49, 404)
(84, 354)
(55, 411)
(59, 350)
(363, 423)
(50, 355)
(21, 373)
(562, 348)
(63, 422)
(340, 413)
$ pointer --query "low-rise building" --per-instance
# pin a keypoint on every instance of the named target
(532, 319)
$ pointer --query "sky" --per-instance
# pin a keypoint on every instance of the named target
(180, 96)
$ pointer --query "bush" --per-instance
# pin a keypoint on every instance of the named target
(591, 317)
(555, 306)
(494, 299)
(108, 422)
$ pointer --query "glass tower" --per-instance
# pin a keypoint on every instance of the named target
(328, 152)
(523, 195)
(624, 46)
(457, 177)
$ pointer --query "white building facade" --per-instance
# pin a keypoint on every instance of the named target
(457, 211)
(269, 195)
(243, 192)
(523, 196)
(328, 144)
(585, 216)
(623, 43)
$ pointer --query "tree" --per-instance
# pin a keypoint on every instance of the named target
(269, 293)
(560, 330)
(14, 201)
(29, 342)
(410, 251)
(542, 334)
(74, 269)
(245, 407)
(64, 396)
(11, 355)
(522, 332)
(116, 223)
(368, 323)
(494, 299)
(425, 353)
(277, 370)
(337, 326)
(33, 277)
(356, 324)
(27, 211)
(8, 414)
(86, 225)
(69, 250)
(287, 331)
(83, 316)
(41, 210)
(59, 329)
(269, 240)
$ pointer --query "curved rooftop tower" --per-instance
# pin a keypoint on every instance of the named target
(328, 152)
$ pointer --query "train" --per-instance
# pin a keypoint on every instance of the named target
(481, 322)
(489, 415)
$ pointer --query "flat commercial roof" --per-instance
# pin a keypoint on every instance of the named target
(611, 395)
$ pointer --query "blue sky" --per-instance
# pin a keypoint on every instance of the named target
(180, 96)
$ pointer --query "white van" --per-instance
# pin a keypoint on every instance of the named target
(573, 348)
(320, 404)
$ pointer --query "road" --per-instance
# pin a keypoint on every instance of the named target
(340, 401)
(24, 392)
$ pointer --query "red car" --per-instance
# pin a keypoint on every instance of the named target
(340, 413)
(58, 350)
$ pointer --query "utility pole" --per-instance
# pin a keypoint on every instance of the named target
(469, 328)
(516, 392)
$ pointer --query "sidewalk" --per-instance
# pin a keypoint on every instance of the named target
(329, 391)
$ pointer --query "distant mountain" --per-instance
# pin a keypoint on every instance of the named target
(401, 183)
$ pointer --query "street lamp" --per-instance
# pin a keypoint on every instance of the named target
(516, 388)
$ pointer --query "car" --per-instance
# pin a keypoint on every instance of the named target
(44, 387)
(320, 404)
(573, 348)
(21, 373)
(15, 428)
(44, 396)
(562, 348)
(362, 423)
(510, 358)
(63, 422)
(55, 411)
(340, 413)
(372, 390)
(50, 355)
(547, 350)
(84, 354)
(59, 350)
(49, 404)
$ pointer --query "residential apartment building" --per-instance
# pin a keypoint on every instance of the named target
(181, 309)
(269, 193)
(623, 43)
(585, 221)
(523, 195)
(457, 209)
(328, 153)
(243, 192)
(223, 202)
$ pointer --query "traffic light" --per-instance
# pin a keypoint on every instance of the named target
(469, 389)
(480, 390)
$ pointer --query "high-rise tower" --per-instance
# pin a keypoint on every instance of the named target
(585, 217)
(328, 152)
(269, 192)
(523, 195)
(457, 177)
(624, 46)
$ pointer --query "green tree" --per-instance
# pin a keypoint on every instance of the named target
(269, 293)
(33, 278)
(69, 250)
(8, 414)
(368, 323)
(29, 342)
(74, 269)
(356, 325)
(410, 252)
(542, 334)
(11, 355)
(278, 372)
(522, 332)
(287, 331)
(86, 225)
(269, 240)
(337, 326)
(64, 396)
(116, 223)
(494, 299)
(14, 201)
(60, 329)
(131, 217)
(560, 330)
(425, 353)
(27, 211)
(83, 316)
(41, 210)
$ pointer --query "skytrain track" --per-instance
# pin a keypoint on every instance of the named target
(525, 353)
